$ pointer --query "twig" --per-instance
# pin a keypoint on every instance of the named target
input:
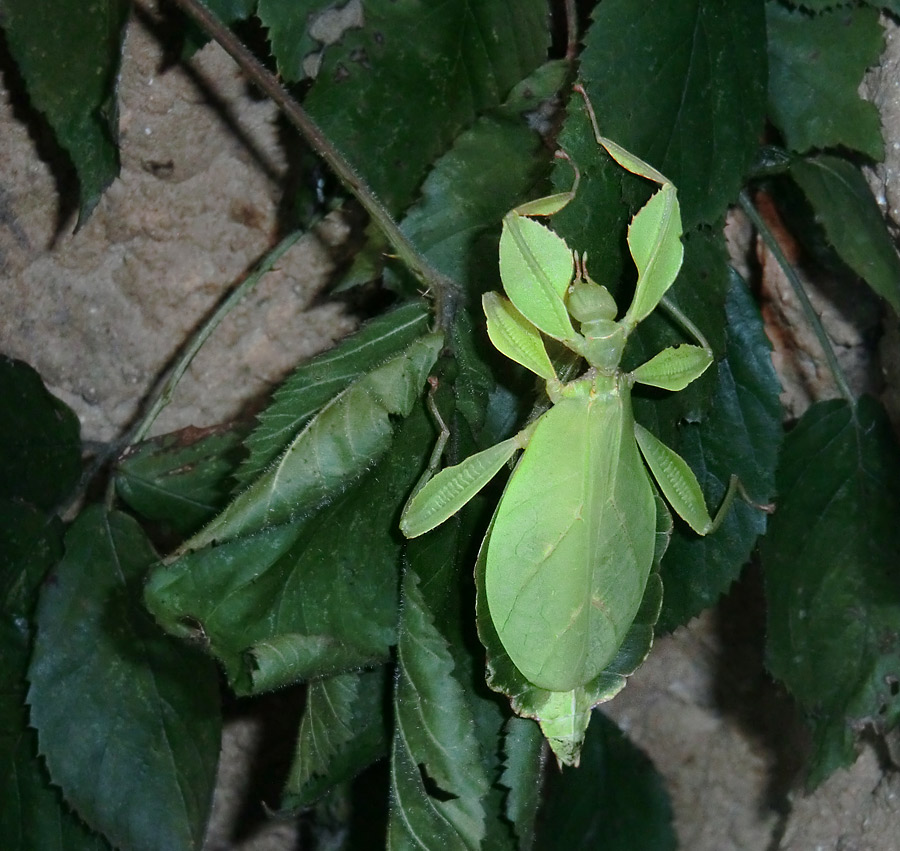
(444, 290)
(808, 311)
(164, 388)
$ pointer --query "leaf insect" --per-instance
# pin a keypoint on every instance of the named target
(572, 541)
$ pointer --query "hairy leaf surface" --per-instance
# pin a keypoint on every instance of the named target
(343, 730)
(452, 61)
(349, 434)
(69, 57)
(832, 587)
(315, 383)
(816, 63)
(181, 479)
(614, 800)
(300, 584)
(127, 720)
(844, 206)
(741, 434)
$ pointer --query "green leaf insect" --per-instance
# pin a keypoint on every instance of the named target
(572, 541)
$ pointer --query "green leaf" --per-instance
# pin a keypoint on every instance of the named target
(180, 479)
(741, 434)
(303, 580)
(438, 779)
(452, 61)
(68, 56)
(127, 720)
(521, 778)
(343, 730)
(40, 449)
(615, 800)
(33, 816)
(830, 560)
(690, 100)
(350, 433)
(288, 22)
(844, 206)
(315, 383)
(816, 63)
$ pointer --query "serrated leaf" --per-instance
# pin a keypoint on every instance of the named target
(69, 58)
(816, 63)
(40, 448)
(614, 800)
(438, 780)
(288, 22)
(521, 778)
(740, 435)
(180, 479)
(853, 224)
(303, 579)
(346, 437)
(313, 384)
(343, 730)
(451, 60)
(830, 560)
(33, 816)
(690, 101)
(127, 720)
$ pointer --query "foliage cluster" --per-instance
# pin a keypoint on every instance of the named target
(291, 568)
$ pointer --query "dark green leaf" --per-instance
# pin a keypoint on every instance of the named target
(315, 383)
(816, 63)
(68, 55)
(830, 560)
(614, 800)
(492, 167)
(438, 777)
(345, 438)
(230, 11)
(522, 769)
(740, 435)
(853, 224)
(33, 816)
(40, 449)
(451, 61)
(288, 22)
(180, 479)
(127, 719)
(343, 730)
(330, 578)
(682, 85)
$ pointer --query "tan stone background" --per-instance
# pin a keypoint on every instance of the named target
(100, 312)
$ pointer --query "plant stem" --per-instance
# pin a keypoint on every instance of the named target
(444, 290)
(164, 389)
(808, 311)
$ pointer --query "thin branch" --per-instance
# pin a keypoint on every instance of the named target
(571, 13)
(808, 311)
(164, 388)
(444, 290)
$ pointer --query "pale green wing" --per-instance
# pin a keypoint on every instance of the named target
(654, 238)
(676, 480)
(514, 336)
(674, 368)
(572, 544)
(537, 267)
(445, 494)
